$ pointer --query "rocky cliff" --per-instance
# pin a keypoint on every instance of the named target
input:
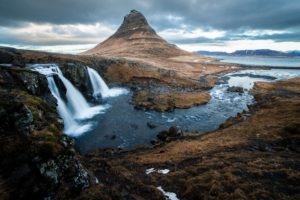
(37, 160)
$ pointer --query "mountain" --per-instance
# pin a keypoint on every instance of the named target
(135, 37)
(294, 53)
(136, 41)
(212, 53)
(258, 52)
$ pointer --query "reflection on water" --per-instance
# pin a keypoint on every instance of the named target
(123, 126)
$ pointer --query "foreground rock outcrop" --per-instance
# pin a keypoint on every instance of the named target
(37, 160)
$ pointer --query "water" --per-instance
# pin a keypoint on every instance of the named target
(76, 110)
(100, 88)
(261, 61)
(125, 127)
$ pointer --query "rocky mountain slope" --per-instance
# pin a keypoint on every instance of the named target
(136, 40)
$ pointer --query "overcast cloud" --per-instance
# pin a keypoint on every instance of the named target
(192, 24)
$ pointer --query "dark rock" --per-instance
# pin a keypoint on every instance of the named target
(11, 56)
(23, 121)
(113, 137)
(153, 142)
(77, 73)
(151, 125)
(293, 128)
(6, 57)
(133, 22)
(25, 79)
(67, 169)
(61, 87)
(173, 132)
(236, 89)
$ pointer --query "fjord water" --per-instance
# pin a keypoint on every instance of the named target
(261, 61)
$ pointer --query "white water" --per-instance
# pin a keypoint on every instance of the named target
(100, 88)
(76, 107)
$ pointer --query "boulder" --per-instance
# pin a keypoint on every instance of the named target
(173, 132)
(151, 125)
(236, 89)
(78, 75)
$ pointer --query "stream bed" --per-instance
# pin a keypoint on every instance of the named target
(123, 126)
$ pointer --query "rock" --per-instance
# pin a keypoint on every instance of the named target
(113, 137)
(61, 87)
(23, 121)
(236, 89)
(173, 132)
(50, 170)
(77, 73)
(67, 169)
(151, 125)
(34, 82)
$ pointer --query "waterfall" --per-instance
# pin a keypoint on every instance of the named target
(100, 88)
(76, 106)
(98, 84)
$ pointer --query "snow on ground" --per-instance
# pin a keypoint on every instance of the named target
(160, 171)
(168, 195)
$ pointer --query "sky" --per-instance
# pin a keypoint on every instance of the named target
(72, 26)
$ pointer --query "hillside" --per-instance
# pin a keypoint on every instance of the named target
(135, 40)
(258, 52)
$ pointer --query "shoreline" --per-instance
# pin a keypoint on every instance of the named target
(238, 141)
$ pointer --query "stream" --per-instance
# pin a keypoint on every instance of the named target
(122, 126)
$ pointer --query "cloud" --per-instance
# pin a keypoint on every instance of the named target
(178, 34)
(229, 14)
(64, 22)
(51, 34)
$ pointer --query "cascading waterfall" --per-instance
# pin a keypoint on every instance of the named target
(100, 88)
(76, 106)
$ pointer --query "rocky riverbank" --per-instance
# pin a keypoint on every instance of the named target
(254, 155)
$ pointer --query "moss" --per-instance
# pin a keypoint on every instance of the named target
(293, 128)
(48, 137)
(47, 149)
(53, 128)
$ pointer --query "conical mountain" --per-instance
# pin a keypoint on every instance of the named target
(136, 38)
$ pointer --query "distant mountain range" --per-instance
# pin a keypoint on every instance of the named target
(258, 52)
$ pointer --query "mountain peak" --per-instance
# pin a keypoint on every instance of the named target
(132, 23)
(136, 38)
